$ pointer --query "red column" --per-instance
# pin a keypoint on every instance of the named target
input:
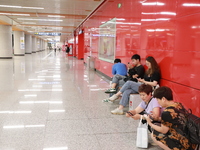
(80, 46)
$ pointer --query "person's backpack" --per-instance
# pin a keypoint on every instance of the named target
(192, 127)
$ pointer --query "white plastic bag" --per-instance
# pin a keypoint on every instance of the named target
(142, 135)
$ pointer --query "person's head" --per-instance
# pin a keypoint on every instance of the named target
(135, 59)
(152, 65)
(145, 92)
(162, 94)
(117, 60)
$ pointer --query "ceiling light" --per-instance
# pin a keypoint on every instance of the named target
(28, 23)
(57, 16)
(21, 7)
(11, 14)
(39, 19)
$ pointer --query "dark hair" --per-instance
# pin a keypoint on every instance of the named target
(136, 56)
(154, 66)
(117, 60)
(145, 88)
(163, 91)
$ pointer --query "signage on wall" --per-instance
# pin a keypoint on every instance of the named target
(22, 42)
(47, 34)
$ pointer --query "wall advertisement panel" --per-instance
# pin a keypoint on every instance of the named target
(107, 41)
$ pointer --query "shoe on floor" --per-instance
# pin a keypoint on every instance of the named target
(114, 97)
(111, 91)
(107, 101)
(117, 111)
(153, 143)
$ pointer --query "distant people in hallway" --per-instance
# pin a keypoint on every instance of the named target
(67, 49)
(133, 72)
(148, 106)
(166, 135)
(152, 77)
(55, 49)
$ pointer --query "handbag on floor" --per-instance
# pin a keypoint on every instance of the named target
(142, 135)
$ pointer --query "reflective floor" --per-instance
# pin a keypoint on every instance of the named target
(53, 102)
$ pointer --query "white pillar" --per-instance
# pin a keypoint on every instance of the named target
(38, 45)
(19, 45)
(5, 42)
(28, 44)
(34, 44)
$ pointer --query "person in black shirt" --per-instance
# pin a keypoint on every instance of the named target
(136, 72)
(151, 77)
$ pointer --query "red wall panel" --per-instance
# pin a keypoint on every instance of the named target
(167, 30)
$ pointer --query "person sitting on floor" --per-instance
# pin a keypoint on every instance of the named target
(134, 72)
(119, 70)
(152, 77)
(167, 135)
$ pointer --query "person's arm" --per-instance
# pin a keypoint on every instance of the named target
(135, 113)
(162, 129)
(113, 70)
(155, 114)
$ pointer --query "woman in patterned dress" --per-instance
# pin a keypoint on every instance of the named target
(172, 120)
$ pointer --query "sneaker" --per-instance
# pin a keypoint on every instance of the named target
(114, 97)
(117, 111)
(107, 101)
(153, 143)
(111, 91)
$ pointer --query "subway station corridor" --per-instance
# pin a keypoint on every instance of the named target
(53, 102)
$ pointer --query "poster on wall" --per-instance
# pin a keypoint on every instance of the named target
(21, 42)
(107, 41)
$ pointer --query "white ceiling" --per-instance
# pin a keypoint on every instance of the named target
(71, 12)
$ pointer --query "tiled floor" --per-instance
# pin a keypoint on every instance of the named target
(53, 102)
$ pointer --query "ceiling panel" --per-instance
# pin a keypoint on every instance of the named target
(44, 16)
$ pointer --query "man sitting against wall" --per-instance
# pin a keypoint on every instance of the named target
(119, 70)
(134, 72)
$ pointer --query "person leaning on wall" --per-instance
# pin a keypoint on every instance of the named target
(166, 135)
(152, 77)
(149, 105)
(135, 70)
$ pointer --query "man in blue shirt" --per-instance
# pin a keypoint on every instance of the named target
(119, 68)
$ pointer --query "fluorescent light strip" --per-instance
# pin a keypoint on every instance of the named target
(12, 6)
(39, 19)
(23, 126)
(11, 14)
(57, 16)
(56, 110)
(56, 148)
(15, 112)
(40, 102)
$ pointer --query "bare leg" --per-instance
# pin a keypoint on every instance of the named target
(163, 146)
(113, 86)
(121, 107)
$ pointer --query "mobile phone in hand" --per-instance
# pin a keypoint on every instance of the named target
(130, 113)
